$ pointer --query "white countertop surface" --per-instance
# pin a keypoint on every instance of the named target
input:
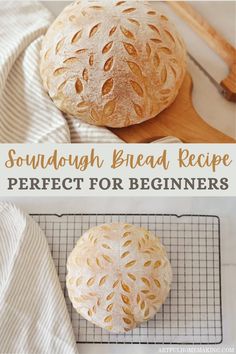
(225, 208)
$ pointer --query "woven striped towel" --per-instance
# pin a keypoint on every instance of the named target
(27, 115)
(33, 314)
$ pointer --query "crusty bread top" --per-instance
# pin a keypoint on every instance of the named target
(118, 276)
(112, 63)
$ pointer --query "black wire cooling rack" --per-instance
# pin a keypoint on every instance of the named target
(192, 313)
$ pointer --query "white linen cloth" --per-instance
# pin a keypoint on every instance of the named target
(33, 313)
(27, 114)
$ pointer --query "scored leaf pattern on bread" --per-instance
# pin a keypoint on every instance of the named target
(125, 66)
(118, 276)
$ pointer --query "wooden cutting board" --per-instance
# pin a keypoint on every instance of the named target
(179, 120)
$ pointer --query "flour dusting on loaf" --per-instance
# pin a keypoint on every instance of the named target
(112, 63)
(118, 276)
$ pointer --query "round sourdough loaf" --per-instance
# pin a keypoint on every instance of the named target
(118, 276)
(112, 63)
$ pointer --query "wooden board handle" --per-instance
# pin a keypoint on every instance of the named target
(229, 84)
(225, 50)
(214, 40)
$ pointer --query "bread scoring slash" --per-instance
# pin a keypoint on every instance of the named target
(112, 63)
